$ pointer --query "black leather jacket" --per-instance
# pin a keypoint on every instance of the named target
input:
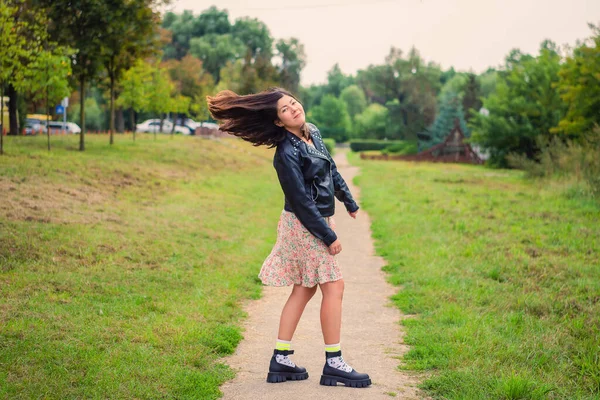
(310, 180)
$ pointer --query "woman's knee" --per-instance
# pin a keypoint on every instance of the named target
(333, 289)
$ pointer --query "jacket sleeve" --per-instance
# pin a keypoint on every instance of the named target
(291, 179)
(341, 190)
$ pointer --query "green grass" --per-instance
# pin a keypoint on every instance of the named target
(502, 276)
(122, 269)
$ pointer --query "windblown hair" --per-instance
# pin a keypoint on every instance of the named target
(251, 117)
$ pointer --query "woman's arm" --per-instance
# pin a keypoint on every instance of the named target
(341, 190)
(291, 179)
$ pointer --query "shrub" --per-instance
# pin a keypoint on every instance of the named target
(371, 144)
(402, 148)
(565, 158)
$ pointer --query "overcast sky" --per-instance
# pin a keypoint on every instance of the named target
(466, 34)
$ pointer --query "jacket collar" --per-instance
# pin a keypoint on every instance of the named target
(296, 142)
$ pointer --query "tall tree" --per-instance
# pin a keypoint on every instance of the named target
(579, 87)
(130, 26)
(471, 100)
(136, 84)
(332, 118)
(293, 59)
(78, 23)
(524, 105)
(411, 82)
(450, 110)
(355, 100)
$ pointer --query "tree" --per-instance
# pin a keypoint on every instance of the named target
(293, 60)
(524, 105)
(332, 119)
(579, 88)
(12, 49)
(372, 122)
(215, 51)
(449, 111)
(471, 100)
(130, 25)
(192, 81)
(77, 23)
(355, 100)
(135, 87)
(159, 95)
(337, 81)
(410, 81)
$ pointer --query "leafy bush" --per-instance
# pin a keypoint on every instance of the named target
(564, 158)
(371, 144)
(402, 148)
(330, 144)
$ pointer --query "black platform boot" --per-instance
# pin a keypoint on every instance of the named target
(282, 372)
(331, 375)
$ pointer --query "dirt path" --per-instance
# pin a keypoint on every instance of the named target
(371, 336)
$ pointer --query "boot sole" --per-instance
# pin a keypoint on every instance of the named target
(278, 377)
(328, 380)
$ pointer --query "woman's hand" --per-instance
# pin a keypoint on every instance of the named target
(353, 214)
(335, 247)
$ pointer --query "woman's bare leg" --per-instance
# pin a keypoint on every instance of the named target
(293, 309)
(331, 310)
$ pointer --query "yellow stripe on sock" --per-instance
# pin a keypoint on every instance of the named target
(282, 346)
(332, 347)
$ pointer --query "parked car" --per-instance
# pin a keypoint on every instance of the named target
(60, 127)
(153, 125)
(34, 126)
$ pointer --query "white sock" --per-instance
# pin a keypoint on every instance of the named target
(284, 360)
(339, 363)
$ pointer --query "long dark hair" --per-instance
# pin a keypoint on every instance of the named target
(251, 117)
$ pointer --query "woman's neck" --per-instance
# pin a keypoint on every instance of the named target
(298, 132)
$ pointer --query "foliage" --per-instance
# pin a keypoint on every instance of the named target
(293, 60)
(355, 100)
(372, 122)
(524, 105)
(579, 87)
(450, 111)
(136, 86)
(337, 81)
(373, 144)
(565, 159)
(332, 119)
(401, 148)
(499, 273)
(408, 86)
(94, 115)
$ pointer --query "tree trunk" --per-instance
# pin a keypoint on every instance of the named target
(82, 112)
(111, 127)
(48, 111)
(12, 110)
(133, 127)
(120, 120)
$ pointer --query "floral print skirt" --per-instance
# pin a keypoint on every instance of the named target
(298, 257)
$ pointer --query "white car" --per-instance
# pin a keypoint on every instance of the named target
(60, 127)
(153, 125)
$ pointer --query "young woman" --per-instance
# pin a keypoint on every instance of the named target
(304, 254)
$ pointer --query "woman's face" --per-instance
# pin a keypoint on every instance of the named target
(290, 113)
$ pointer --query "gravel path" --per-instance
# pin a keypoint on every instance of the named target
(371, 335)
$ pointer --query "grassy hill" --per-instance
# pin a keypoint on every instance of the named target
(122, 269)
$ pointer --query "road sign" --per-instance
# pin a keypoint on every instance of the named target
(60, 109)
(65, 102)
